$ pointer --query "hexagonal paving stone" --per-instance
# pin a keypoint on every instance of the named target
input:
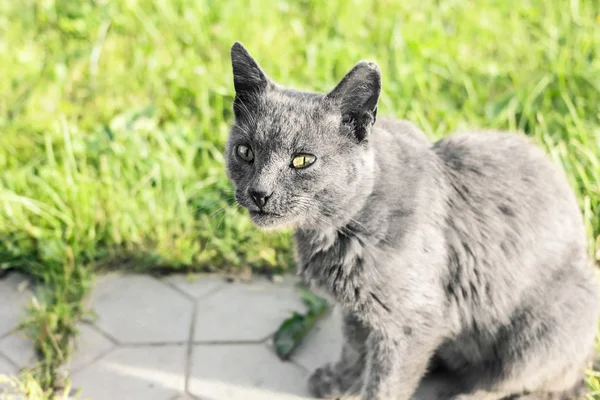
(18, 348)
(145, 373)
(196, 285)
(243, 372)
(13, 300)
(245, 311)
(7, 367)
(323, 344)
(89, 346)
(140, 309)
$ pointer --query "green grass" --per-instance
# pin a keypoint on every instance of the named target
(114, 115)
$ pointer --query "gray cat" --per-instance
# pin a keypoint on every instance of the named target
(465, 258)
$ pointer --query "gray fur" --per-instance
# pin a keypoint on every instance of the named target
(464, 258)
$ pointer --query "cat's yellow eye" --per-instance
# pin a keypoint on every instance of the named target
(303, 160)
(245, 153)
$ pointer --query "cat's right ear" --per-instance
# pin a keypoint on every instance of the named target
(248, 77)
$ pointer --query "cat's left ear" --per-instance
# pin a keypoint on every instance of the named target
(357, 95)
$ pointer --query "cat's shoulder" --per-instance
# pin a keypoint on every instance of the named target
(399, 129)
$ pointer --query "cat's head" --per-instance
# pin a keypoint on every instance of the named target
(301, 159)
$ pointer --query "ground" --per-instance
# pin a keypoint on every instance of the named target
(178, 337)
(194, 337)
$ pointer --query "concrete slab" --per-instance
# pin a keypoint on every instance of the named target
(140, 309)
(245, 311)
(243, 372)
(18, 348)
(89, 346)
(137, 310)
(7, 367)
(323, 344)
(14, 296)
(144, 373)
(196, 285)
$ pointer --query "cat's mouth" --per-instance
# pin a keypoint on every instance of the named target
(267, 220)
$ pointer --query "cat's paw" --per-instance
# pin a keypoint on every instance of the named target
(324, 383)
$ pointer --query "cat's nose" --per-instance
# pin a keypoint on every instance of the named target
(260, 198)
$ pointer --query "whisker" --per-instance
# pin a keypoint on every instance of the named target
(227, 199)
(224, 208)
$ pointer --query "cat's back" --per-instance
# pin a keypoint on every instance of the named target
(479, 151)
(502, 161)
(516, 241)
(505, 191)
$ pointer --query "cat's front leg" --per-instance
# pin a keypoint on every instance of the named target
(345, 376)
(397, 359)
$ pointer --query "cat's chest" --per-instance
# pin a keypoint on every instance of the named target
(333, 264)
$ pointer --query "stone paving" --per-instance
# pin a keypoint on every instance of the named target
(179, 338)
(15, 350)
